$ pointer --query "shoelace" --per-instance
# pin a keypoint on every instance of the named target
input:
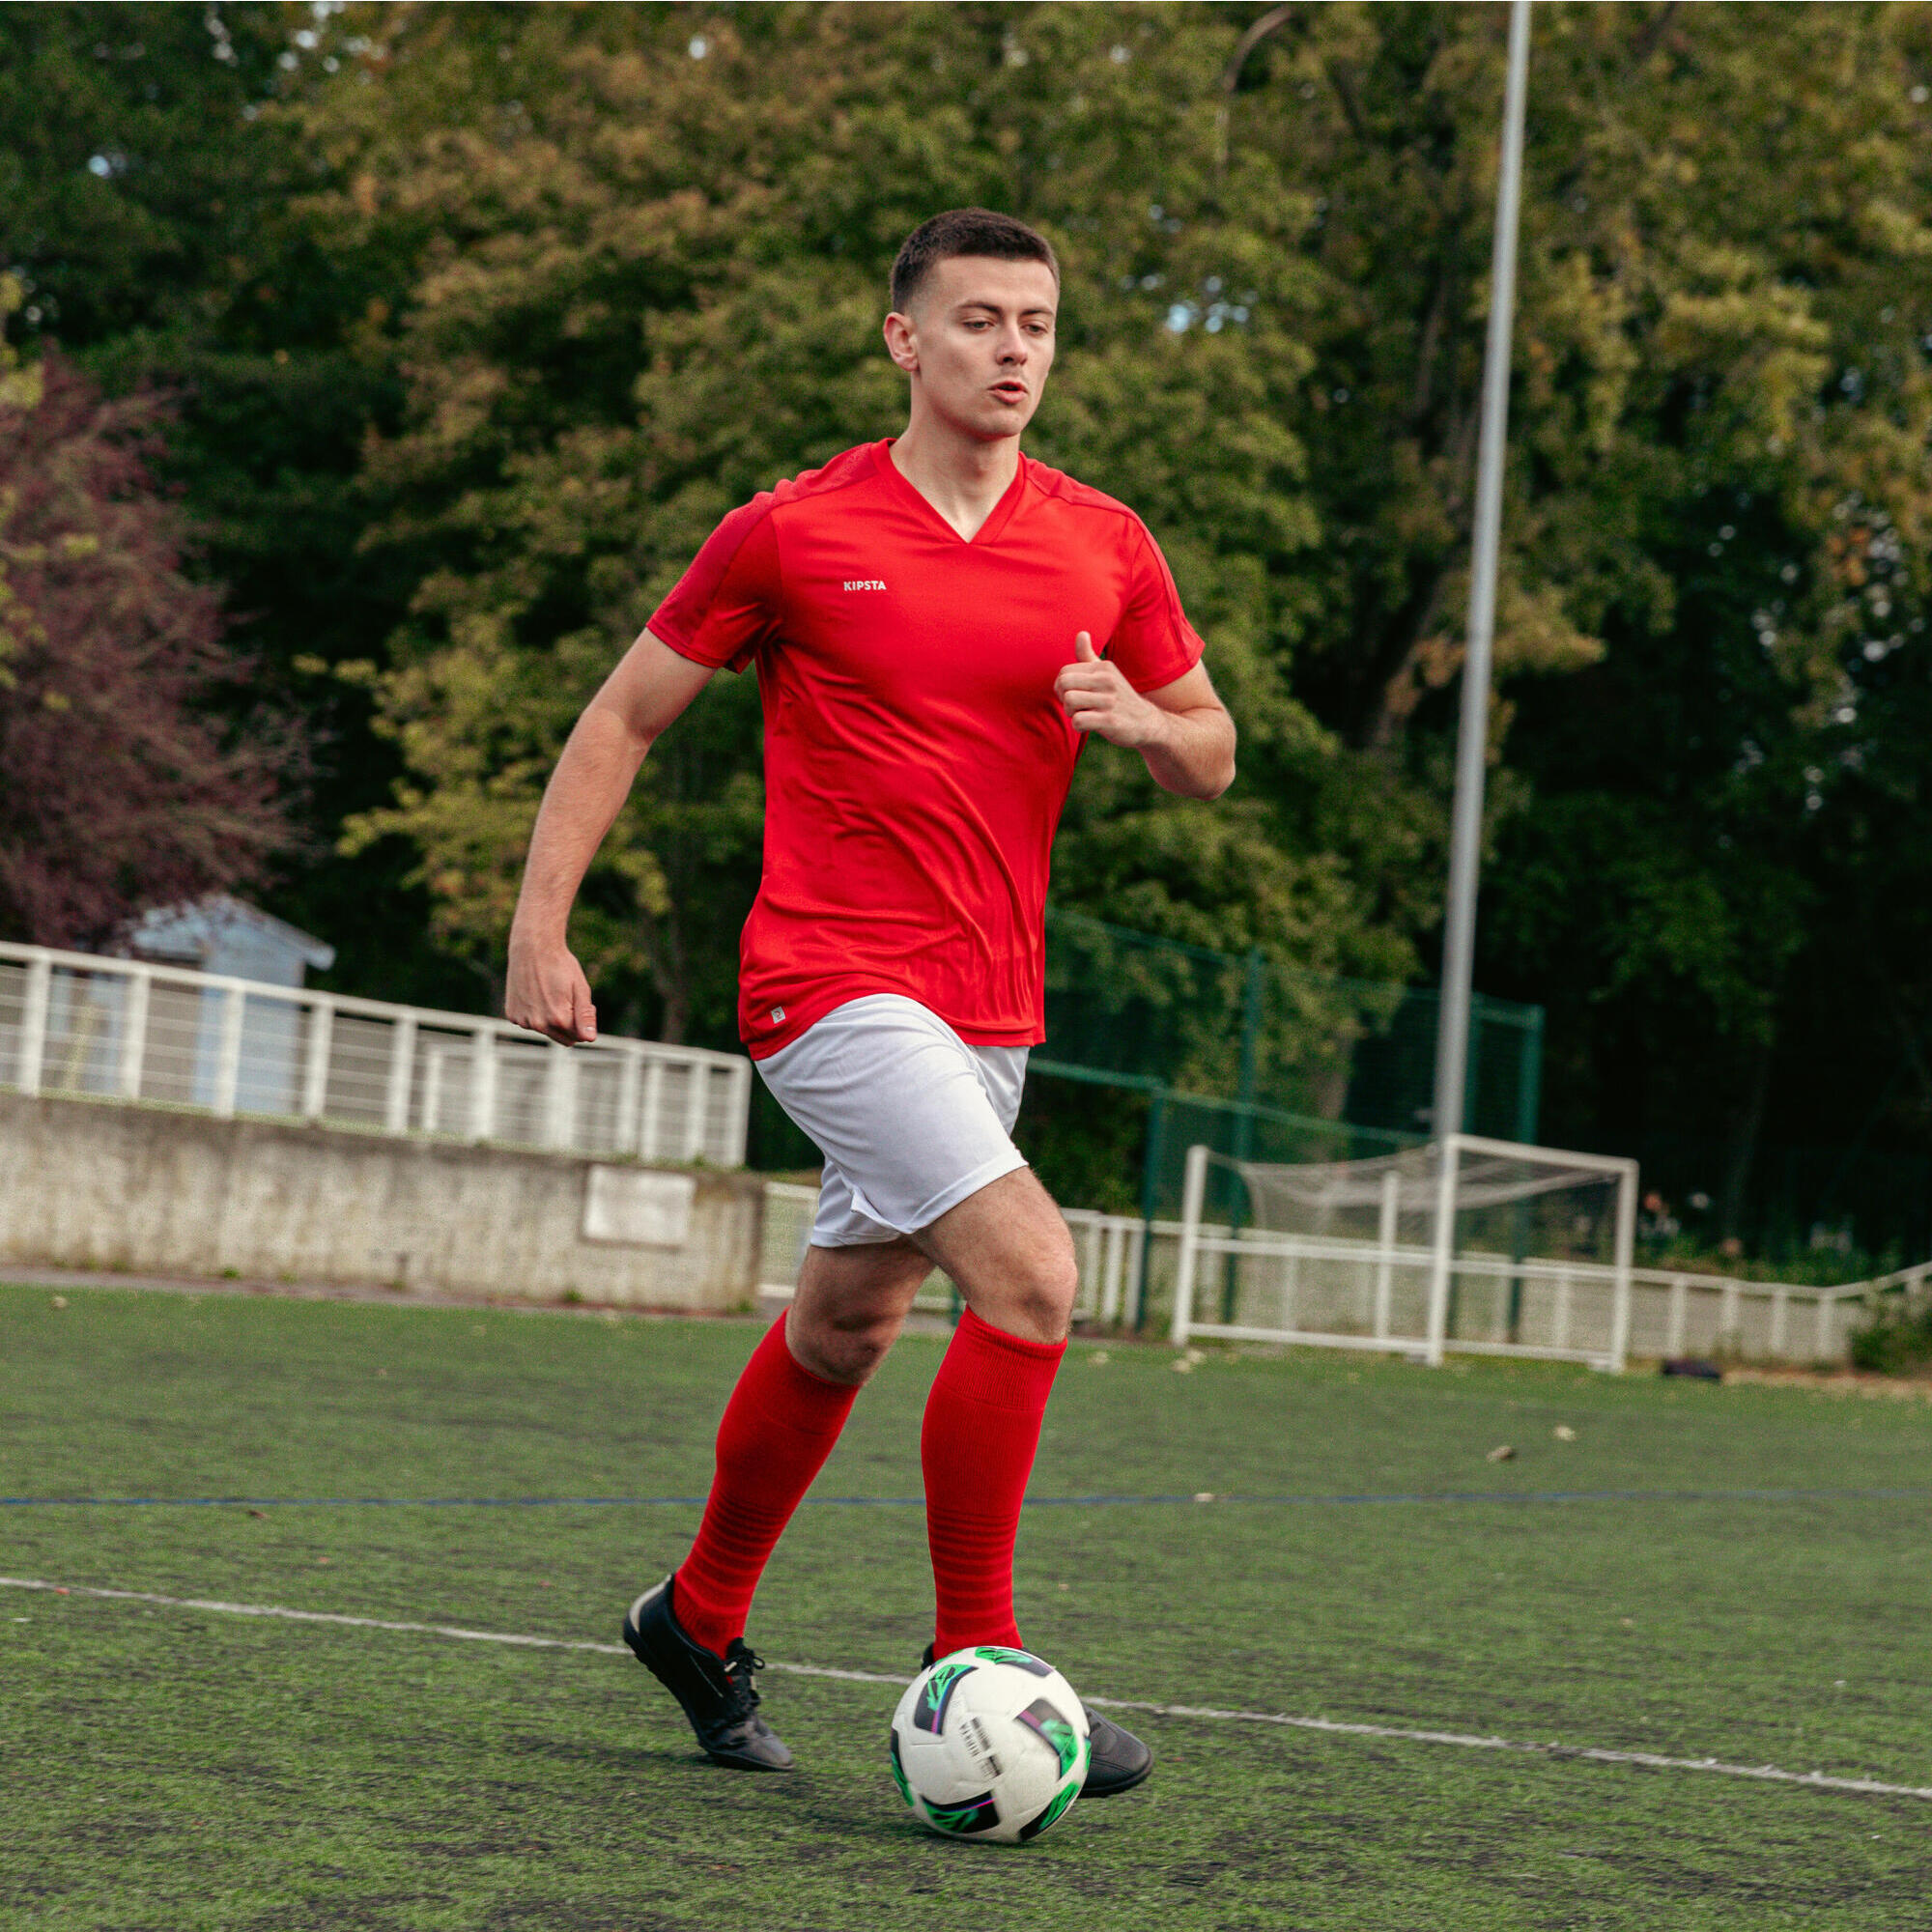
(739, 1665)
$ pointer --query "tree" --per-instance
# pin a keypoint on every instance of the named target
(654, 245)
(496, 317)
(655, 252)
(116, 791)
(1714, 514)
(1705, 811)
(153, 205)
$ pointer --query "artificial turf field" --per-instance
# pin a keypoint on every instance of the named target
(176, 1768)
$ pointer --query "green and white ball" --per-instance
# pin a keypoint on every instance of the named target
(990, 1744)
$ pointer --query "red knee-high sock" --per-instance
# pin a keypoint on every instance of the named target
(778, 1430)
(981, 1429)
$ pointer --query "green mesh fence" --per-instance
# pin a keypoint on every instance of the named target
(1227, 1027)
(1153, 1046)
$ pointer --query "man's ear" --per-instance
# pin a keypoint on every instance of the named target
(902, 342)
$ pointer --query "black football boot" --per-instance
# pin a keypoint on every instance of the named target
(716, 1692)
(1116, 1759)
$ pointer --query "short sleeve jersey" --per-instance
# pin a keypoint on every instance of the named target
(916, 755)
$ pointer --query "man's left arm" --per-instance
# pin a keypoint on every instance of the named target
(1182, 730)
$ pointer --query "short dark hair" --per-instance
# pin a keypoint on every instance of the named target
(964, 231)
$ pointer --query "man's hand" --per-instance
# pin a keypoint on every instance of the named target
(1097, 697)
(1182, 730)
(547, 990)
(548, 993)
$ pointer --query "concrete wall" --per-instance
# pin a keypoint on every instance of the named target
(96, 1185)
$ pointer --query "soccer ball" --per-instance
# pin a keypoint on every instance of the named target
(989, 1744)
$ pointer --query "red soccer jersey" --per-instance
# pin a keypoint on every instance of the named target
(916, 756)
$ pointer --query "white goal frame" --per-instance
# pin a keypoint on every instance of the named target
(1439, 1257)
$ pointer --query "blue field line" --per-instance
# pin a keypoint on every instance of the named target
(1292, 1501)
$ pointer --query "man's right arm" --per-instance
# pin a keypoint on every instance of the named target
(547, 990)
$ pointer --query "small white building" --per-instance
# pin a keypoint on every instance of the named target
(220, 934)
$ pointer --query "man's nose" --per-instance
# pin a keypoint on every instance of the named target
(1014, 347)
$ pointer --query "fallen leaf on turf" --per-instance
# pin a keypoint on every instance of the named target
(60, 1301)
(1098, 1359)
(260, 1513)
(1563, 1432)
(1182, 1366)
(1204, 1495)
(321, 1559)
(1195, 1356)
(1501, 1453)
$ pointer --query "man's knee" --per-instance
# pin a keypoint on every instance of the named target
(850, 1305)
(1043, 1295)
(1035, 1293)
(1009, 1251)
(840, 1348)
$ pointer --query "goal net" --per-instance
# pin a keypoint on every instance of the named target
(1469, 1245)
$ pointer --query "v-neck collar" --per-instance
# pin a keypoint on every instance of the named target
(1001, 515)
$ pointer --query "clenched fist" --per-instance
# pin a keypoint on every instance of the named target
(1097, 697)
(548, 993)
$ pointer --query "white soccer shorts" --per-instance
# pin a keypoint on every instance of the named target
(910, 1118)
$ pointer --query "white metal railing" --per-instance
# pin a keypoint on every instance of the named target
(1107, 1249)
(1366, 1294)
(1678, 1314)
(78, 1023)
(1346, 1294)
(1342, 1293)
(1914, 1280)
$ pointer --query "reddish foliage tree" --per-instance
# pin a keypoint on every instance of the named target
(117, 792)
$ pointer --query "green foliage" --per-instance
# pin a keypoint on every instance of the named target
(155, 208)
(655, 289)
(1801, 1268)
(647, 283)
(1897, 1337)
(124, 189)
(1692, 880)
(1226, 1026)
(481, 317)
(1087, 1143)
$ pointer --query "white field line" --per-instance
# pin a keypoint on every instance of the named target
(1763, 1773)
(336, 1617)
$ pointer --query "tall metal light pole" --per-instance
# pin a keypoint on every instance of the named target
(1452, 1039)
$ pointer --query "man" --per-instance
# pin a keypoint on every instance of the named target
(938, 623)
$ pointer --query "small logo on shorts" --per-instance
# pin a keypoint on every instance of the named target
(864, 584)
(778, 1014)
